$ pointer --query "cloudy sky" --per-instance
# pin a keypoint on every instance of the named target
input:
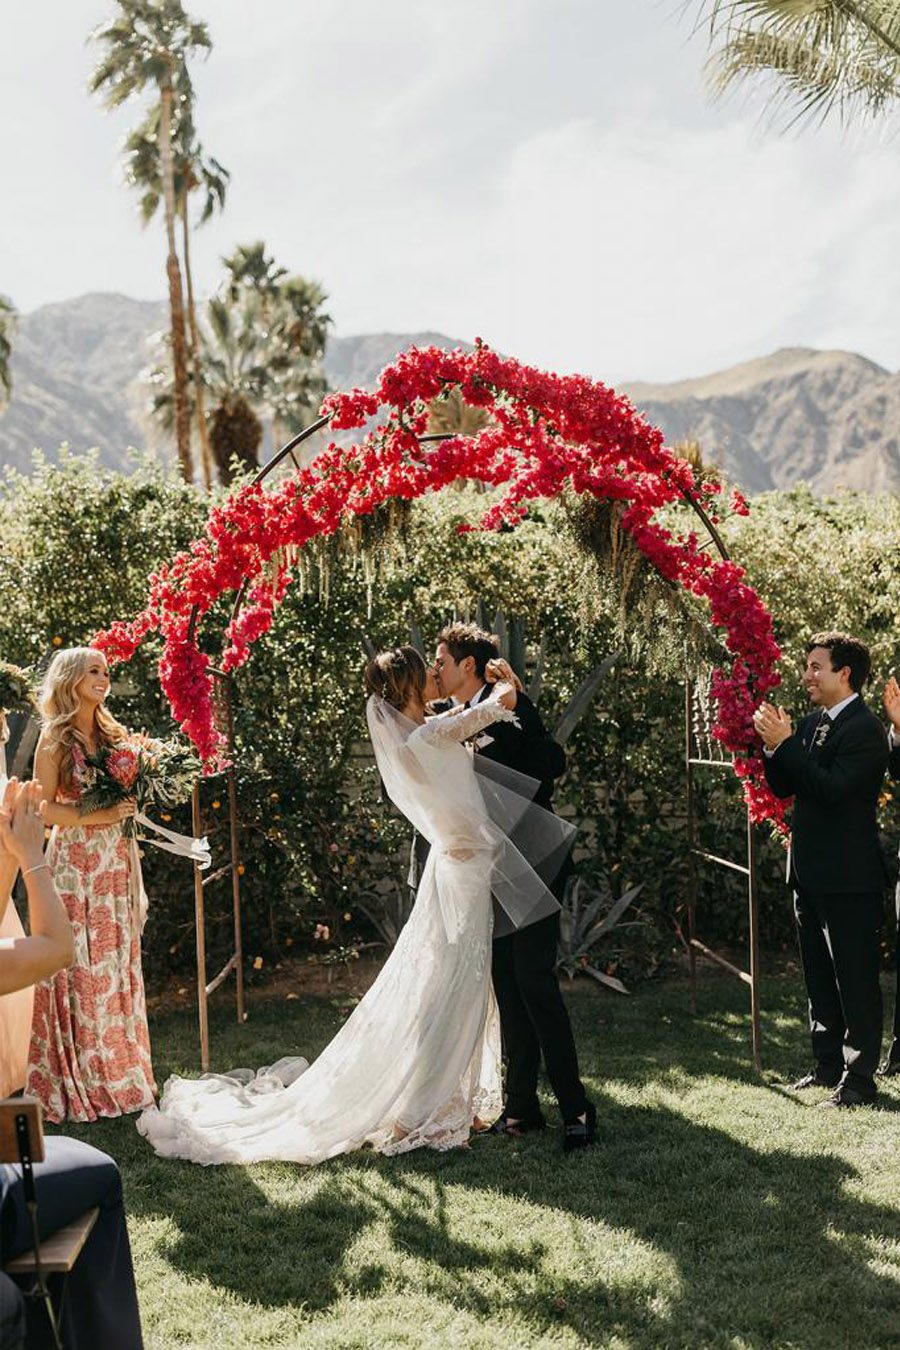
(548, 174)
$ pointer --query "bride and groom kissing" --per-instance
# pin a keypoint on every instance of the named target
(463, 754)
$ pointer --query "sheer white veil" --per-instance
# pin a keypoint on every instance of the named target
(482, 811)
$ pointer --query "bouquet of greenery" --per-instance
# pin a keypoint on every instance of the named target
(152, 772)
(16, 688)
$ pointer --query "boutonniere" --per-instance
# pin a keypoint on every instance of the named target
(821, 733)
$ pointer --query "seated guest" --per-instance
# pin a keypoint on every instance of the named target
(100, 1307)
(12, 1315)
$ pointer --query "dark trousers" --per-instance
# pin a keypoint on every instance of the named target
(100, 1309)
(12, 1315)
(839, 949)
(534, 1020)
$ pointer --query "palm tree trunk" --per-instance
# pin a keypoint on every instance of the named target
(176, 298)
(199, 397)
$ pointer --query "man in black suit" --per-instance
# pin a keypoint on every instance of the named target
(834, 767)
(891, 1065)
(533, 1016)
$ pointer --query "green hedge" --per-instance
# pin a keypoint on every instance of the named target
(317, 840)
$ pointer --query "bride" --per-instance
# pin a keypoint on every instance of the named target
(419, 1058)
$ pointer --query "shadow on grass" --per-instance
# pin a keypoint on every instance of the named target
(767, 1246)
(770, 1247)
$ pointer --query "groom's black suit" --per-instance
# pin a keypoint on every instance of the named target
(834, 769)
(533, 1016)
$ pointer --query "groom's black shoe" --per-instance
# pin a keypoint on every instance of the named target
(846, 1096)
(815, 1079)
(518, 1125)
(578, 1133)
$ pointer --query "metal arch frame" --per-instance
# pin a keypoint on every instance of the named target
(747, 869)
(233, 868)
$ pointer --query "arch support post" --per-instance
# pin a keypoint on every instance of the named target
(232, 868)
(703, 752)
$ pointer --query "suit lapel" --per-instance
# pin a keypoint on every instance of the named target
(852, 710)
(817, 742)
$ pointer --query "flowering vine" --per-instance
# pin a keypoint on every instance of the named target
(547, 434)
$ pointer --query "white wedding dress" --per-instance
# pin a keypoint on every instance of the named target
(419, 1057)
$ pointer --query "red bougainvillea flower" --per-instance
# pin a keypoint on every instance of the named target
(547, 434)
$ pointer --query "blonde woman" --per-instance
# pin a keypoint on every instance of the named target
(90, 1051)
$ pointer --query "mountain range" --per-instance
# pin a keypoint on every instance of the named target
(829, 418)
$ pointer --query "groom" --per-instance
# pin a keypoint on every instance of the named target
(533, 1016)
(833, 766)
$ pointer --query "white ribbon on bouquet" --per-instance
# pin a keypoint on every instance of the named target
(184, 845)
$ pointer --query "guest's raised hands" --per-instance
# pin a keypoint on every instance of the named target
(21, 823)
(891, 699)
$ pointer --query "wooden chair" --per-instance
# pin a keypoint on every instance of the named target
(22, 1142)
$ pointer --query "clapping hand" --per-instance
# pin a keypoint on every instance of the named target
(772, 724)
(891, 699)
(21, 823)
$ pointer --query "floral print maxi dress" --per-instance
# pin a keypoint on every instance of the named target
(90, 1049)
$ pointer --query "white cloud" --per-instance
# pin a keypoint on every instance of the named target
(548, 176)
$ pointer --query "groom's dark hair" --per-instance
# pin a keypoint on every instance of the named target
(467, 639)
(845, 651)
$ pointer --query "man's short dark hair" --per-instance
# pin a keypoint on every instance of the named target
(467, 639)
(845, 651)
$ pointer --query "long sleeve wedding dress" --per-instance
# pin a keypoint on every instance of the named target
(420, 1055)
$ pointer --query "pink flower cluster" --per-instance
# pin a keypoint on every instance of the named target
(122, 765)
(547, 434)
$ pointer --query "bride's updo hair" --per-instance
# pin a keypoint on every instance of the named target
(397, 675)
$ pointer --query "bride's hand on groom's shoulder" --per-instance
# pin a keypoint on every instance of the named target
(499, 671)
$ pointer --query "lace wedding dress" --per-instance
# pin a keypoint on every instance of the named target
(419, 1057)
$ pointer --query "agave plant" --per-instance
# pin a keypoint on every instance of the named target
(586, 917)
(389, 916)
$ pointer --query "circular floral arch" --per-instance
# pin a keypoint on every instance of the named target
(547, 434)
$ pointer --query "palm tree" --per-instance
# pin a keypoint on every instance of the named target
(827, 56)
(148, 43)
(194, 172)
(249, 266)
(259, 355)
(290, 310)
(8, 317)
(298, 332)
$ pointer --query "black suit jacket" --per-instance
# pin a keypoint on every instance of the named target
(528, 748)
(835, 846)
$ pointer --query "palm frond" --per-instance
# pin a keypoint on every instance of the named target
(825, 57)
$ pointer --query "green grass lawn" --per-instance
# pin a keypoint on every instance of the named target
(715, 1210)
